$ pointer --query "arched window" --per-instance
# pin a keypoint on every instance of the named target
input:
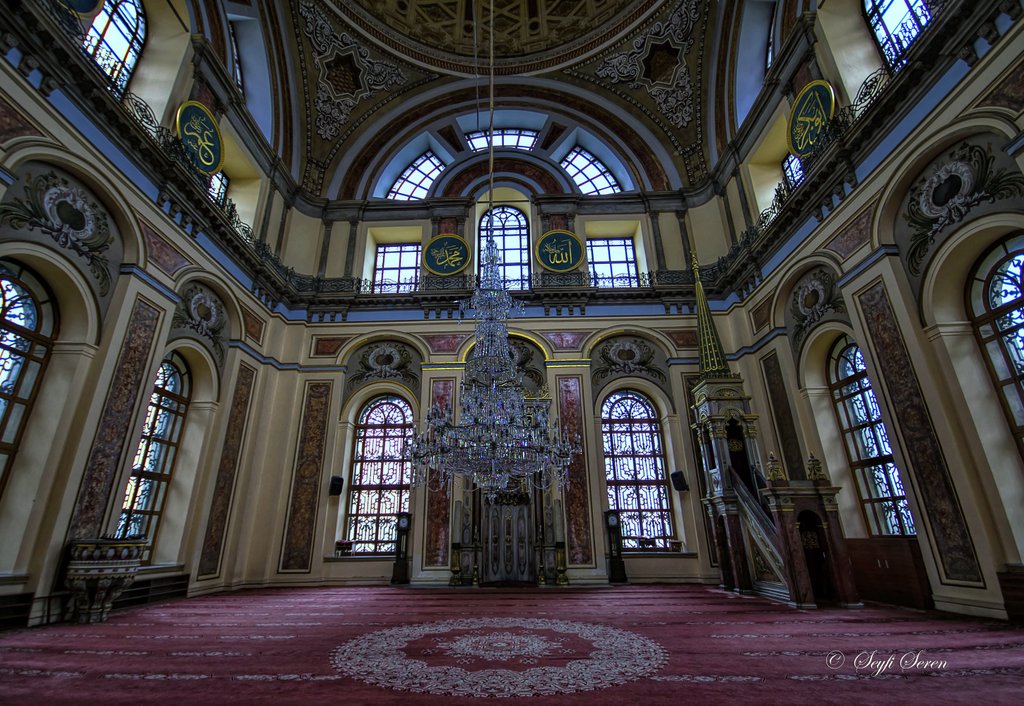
(634, 469)
(146, 492)
(508, 227)
(867, 442)
(997, 307)
(792, 170)
(115, 39)
(28, 324)
(896, 25)
(418, 177)
(381, 474)
(589, 173)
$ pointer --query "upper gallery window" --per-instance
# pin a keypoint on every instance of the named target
(590, 175)
(634, 469)
(792, 170)
(381, 474)
(997, 307)
(27, 327)
(867, 442)
(236, 57)
(218, 191)
(896, 25)
(115, 39)
(418, 177)
(511, 233)
(396, 268)
(769, 54)
(514, 138)
(612, 262)
(148, 483)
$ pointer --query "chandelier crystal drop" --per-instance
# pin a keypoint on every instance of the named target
(503, 440)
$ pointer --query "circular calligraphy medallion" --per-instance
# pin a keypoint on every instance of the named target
(446, 254)
(499, 657)
(812, 110)
(559, 251)
(198, 131)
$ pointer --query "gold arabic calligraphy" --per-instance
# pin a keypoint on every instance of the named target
(202, 137)
(809, 122)
(558, 252)
(448, 255)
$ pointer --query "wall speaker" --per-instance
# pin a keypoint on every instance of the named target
(678, 481)
(337, 483)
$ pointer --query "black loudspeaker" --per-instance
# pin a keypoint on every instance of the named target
(337, 483)
(678, 481)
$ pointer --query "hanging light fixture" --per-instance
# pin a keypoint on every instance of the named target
(503, 440)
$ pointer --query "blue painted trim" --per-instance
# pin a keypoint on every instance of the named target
(744, 351)
(278, 365)
(866, 263)
(136, 271)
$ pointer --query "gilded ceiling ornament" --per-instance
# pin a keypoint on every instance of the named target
(656, 64)
(64, 212)
(948, 194)
(347, 73)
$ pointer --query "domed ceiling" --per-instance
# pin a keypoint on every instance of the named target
(529, 34)
(377, 72)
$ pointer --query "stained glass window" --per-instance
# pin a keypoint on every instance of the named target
(146, 492)
(896, 25)
(27, 327)
(514, 138)
(866, 441)
(418, 177)
(397, 268)
(612, 262)
(115, 39)
(508, 227)
(589, 174)
(634, 468)
(381, 474)
(997, 306)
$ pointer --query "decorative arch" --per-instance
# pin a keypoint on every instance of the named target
(791, 273)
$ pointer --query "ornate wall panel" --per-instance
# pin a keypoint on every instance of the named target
(438, 534)
(566, 340)
(855, 234)
(629, 356)
(131, 373)
(391, 361)
(954, 548)
(52, 208)
(161, 253)
(815, 299)
(309, 461)
(227, 470)
(201, 316)
(779, 396)
(579, 544)
(253, 326)
(13, 124)
(444, 342)
(329, 346)
(966, 181)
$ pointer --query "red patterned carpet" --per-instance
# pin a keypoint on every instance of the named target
(615, 645)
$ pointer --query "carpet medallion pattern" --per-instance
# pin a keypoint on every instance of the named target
(499, 657)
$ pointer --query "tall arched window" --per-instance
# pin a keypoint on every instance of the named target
(381, 474)
(867, 442)
(997, 307)
(511, 233)
(146, 491)
(634, 469)
(896, 25)
(28, 324)
(115, 39)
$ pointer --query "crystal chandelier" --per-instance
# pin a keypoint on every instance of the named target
(503, 440)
